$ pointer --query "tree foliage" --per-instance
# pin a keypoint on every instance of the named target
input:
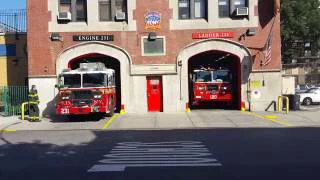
(300, 22)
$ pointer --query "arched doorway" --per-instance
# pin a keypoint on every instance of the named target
(240, 60)
(223, 69)
(109, 62)
(112, 56)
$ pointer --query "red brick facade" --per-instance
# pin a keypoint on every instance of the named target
(43, 52)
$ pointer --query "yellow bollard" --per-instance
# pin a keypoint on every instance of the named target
(279, 103)
(23, 109)
(187, 108)
(122, 111)
(287, 105)
(280, 99)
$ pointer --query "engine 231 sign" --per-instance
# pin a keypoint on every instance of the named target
(93, 38)
(152, 20)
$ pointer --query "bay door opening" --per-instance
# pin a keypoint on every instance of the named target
(214, 81)
(109, 62)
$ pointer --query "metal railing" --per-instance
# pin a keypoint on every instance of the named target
(11, 98)
(13, 20)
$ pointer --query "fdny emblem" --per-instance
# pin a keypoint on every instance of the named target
(152, 20)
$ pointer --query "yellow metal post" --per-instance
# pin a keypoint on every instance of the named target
(23, 109)
(122, 112)
(279, 103)
(280, 99)
(287, 105)
(187, 108)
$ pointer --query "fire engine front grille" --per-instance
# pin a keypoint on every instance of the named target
(83, 102)
(81, 98)
(212, 87)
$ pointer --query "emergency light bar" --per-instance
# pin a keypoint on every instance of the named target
(92, 66)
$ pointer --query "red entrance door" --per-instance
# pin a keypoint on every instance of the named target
(154, 93)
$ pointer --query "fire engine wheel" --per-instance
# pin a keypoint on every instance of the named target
(111, 107)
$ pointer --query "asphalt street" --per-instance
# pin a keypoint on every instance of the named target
(288, 153)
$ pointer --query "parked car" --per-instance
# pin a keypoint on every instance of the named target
(302, 88)
(310, 96)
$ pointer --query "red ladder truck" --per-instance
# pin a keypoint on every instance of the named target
(211, 85)
(89, 89)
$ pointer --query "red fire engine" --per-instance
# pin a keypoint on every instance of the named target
(211, 85)
(88, 89)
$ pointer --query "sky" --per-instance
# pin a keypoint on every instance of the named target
(12, 4)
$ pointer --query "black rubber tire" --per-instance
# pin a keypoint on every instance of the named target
(111, 111)
(307, 101)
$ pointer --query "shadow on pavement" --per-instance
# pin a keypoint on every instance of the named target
(77, 118)
(248, 154)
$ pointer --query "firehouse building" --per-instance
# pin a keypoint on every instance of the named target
(154, 46)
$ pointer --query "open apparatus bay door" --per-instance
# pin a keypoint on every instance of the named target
(212, 85)
(88, 89)
(214, 80)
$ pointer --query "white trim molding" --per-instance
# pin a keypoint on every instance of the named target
(160, 54)
(153, 69)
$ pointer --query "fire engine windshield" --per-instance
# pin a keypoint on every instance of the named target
(211, 76)
(203, 76)
(222, 75)
(93, 80)
(71, 80)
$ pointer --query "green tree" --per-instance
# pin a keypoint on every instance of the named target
(300, 22)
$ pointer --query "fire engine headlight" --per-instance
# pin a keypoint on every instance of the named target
(97, 96)
(224, 88)
(201, 88)
(65, 98)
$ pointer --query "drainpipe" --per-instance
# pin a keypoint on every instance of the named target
(180, 68)
(249, 93)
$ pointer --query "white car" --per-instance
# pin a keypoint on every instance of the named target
(301, 88)
(310, 96)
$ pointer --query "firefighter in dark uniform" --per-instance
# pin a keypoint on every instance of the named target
(33, 104)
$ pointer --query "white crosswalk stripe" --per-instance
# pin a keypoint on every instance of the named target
(158, 154)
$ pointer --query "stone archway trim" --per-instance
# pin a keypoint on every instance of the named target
(218, 40)
(105, 49)
(93, 43)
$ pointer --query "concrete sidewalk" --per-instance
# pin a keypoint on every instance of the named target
(216, 119)
(194, 119)
(47, 124)
(7, 122)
